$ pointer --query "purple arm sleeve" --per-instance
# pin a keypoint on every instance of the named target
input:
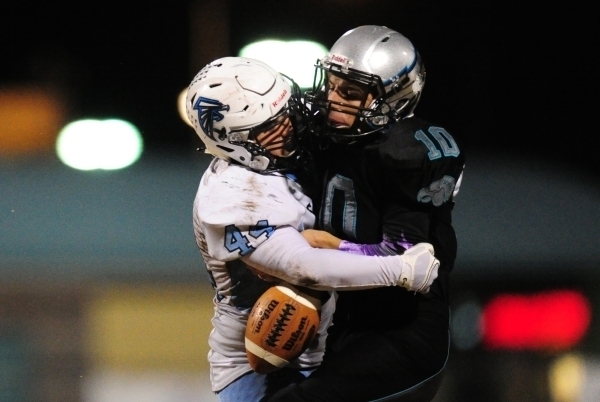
(388, 246)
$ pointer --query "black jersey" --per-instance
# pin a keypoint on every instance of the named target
(399, 190)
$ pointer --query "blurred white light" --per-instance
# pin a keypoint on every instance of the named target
(181, 107)
(295, 59)
(99, 144)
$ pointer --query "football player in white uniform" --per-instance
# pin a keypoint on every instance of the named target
(248, 214)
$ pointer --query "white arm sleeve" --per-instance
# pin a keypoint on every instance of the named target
(288, 256)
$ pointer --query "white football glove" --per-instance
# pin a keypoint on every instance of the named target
(420, 268)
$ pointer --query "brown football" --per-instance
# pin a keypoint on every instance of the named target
(281, 325)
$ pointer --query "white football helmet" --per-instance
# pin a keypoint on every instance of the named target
(233, 99)
(386, 63)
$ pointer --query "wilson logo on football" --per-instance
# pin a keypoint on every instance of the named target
(264, 315)
(296, 335)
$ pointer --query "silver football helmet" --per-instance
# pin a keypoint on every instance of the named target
(382, 61)
(234, 99)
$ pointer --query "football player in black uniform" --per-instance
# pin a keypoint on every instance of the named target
(390, 182)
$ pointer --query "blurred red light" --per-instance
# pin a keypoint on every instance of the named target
(553, 320)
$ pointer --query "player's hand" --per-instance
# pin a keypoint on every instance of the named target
(420, 268)
(321, 239)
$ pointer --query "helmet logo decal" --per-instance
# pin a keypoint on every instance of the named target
(339, 59)
(343, 61)
(209, 112)
(279, 98)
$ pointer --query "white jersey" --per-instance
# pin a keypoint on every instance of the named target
(235, 211)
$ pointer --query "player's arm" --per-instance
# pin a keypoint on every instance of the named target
(323, 239)
(288, 256)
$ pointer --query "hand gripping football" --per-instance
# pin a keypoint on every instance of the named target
(282, 323)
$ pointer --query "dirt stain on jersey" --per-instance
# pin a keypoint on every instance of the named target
(253, 194)
(301, 279)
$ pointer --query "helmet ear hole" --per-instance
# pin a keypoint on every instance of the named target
(228, 150)
(222, 133)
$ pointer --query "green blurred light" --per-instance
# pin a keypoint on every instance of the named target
(295, 59)
(99, 144)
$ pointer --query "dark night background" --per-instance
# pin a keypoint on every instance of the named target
(502, 76)
(514, 83)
